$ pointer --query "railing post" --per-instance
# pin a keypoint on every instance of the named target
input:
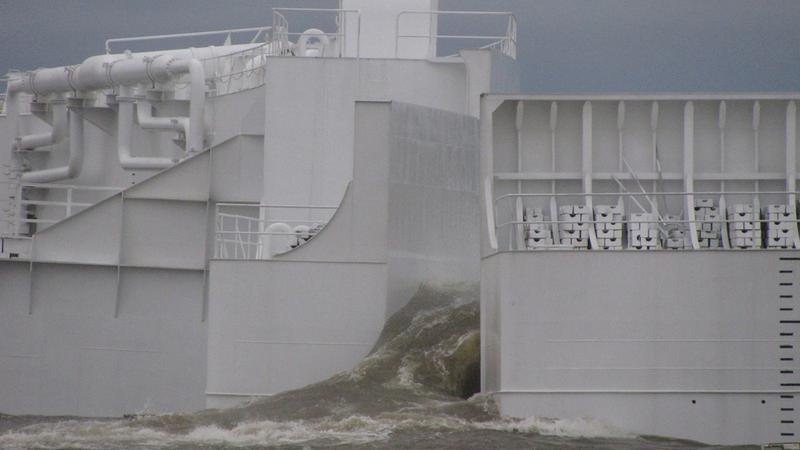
(238, 238)
(433, 31)
(18, 221)
(249, 238)
(69, 201)
(217, 240)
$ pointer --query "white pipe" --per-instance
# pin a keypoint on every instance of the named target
(195, 131)
(124, 135)
(121, 70)
(144, 115)
(193, 127)
(54, 136)
(108, 71)
(75, 163)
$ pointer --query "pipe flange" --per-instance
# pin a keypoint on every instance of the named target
(32, 83)
(74, 103)
(148, 68)
(128, 99)
(154, 95)
(172, 60)
(109, 66)
(38, 107)
(71, 77)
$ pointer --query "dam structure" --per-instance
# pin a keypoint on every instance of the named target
(195, 227)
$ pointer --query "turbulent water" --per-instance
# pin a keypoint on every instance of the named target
(406, 394)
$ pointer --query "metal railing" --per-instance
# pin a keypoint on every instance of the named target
(19, 218)
(258, 32)
(227, 73)
(505, 43)
(662, 221)
(244, 230)
(238, 71)
(281, 33)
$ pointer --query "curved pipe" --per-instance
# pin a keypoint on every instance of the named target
(144, 115)
(54, 136)
(75, 163)
(124, 135)
(195, 128)
(107, 71)
(197, 104)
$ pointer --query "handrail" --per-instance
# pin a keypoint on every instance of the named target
(258, 30)
(653, 221)
(17, 219)
(728, 228)
(506, 42)
(248, 65)
(64, 186)
(639, 194)
(237, 53)
(240, 236)
(262, 205)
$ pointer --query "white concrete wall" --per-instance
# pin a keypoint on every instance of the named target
(117, 310)
(280, 325)
(301, 317)
(71, 355)
(114, 323)
(238, 169)
(377, 37)
(413, 201)
(310, 105)
(682, 344)
(409, 217)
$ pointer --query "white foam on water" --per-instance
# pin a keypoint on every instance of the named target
(405, 374)
(583, 427)
(352, 430)
(118, 434)
(85, 435)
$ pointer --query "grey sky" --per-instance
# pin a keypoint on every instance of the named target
(583, 45)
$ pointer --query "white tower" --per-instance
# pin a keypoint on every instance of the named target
(391, 28)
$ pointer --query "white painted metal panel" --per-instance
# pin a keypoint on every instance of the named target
(163, 233)
(73, 356)
(237, 170)
(284, 324)
(188, 180)
(91, 237)
(575, 331)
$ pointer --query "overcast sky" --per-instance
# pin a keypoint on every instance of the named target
(564, 45)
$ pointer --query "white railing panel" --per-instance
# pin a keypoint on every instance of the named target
(505, 42)
(19, 217)
(247, 231)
